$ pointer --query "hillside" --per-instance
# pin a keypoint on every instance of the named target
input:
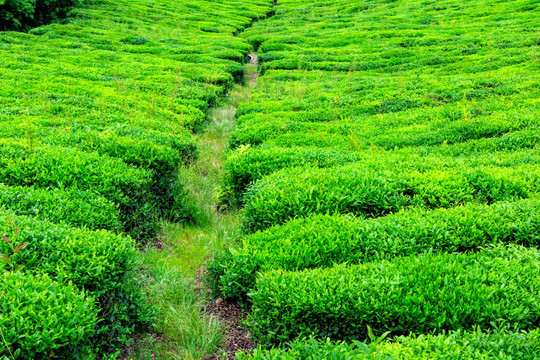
(369, 191)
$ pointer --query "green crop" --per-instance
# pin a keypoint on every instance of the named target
(322, 241)
(40, 317)
(454, 346)
(419, 294)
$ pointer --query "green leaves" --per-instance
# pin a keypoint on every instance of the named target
(452, 346)
(321, 241)
(40, 315)
(428, 293)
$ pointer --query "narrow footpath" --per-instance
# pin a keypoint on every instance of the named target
(206, 175)
(190, 326)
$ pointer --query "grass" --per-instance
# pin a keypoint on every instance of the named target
(172, 272)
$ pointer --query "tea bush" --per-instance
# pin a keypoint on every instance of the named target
(73, 207)
(455, 345)
(359, 190)
(125, 185)
(244, 168)
(321, 241)
(42, 318)
(420, 294)
(431, 110)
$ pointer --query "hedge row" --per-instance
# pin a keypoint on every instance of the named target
(94, 260)
(420, 294)
(362, 191)
(97, 115)
(160, 153)
(456, 345)
(64, 168)
(100, 262)
(72, 207)
(42, 318)
(322, 241)
(243, 168)
(418, 127)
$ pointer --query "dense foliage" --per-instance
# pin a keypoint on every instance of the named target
(41, 316)
(453, 346)
(24, 14)
(97, 116)
(385, 146)
(322, 241)
(419, 294)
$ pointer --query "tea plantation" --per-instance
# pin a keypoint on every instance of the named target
(386, 169)
(97, 114)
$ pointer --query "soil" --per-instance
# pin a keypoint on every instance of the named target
(232, 315)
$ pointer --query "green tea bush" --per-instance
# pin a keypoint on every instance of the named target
(41, 318)
(372, 192)
(322, 241)
(94, 260)
(162, 154)
(72, 207)
(163, 162)
(456, 345)
(127, 186)
(420, 294)
(244, 168)
(100, 262)
(418, 127)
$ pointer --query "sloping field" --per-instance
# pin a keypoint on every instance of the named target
(383, 179)
(388, 168)
(96, 117)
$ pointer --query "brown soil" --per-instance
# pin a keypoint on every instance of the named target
(237, 336)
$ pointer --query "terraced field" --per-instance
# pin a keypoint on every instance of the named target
(382, 179)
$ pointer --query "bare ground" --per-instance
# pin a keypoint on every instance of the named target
(232, 315)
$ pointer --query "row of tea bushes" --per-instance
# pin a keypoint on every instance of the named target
(245, 167)
(456, 345)
(423, 294)
(322, 241)
(74, 207)
(68, 168)
(364, 191)
(100, 263)
(249, 164)
(331, 115)
(160, 153)
(98, 114)
(418, 127)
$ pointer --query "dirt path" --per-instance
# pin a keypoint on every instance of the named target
(230, 314)
(254, 60)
